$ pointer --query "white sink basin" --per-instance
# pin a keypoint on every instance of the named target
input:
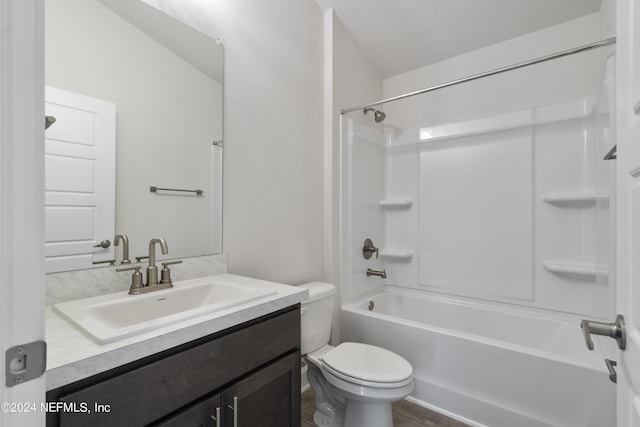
(111, 317)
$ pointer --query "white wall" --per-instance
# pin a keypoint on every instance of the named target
(164, 131)
(556, 81)
(273, 131)
(349, 78)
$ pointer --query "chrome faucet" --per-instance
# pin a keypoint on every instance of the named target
(125, 247)
(381, 274)
(152, 270)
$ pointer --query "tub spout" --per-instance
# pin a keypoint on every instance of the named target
(381, 274)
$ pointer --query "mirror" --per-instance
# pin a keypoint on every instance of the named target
(164, 81)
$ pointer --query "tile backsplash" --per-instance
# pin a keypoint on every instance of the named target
(72, 285)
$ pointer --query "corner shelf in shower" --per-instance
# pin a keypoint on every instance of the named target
(574, 198)
(580, 268)
(396, 203)
(395, 254)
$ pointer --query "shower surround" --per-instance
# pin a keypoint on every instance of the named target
(509, 213)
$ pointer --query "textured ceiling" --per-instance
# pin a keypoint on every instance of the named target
(402, 35)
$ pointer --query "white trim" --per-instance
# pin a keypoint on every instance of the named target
(22, 194)
(330, 214)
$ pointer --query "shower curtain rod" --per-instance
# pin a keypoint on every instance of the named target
(602, 43)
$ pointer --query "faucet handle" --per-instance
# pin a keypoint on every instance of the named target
(130, 267)
(165, 274)
(111, 262)
(136, 278)
(166, 263)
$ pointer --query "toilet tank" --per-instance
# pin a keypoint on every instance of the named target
(317, 315)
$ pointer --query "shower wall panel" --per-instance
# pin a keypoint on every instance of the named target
(401, 221)
(476, 215)
(566, 230)
(364, 157)
(511, 208)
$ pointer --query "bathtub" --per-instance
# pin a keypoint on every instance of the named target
(485, 364)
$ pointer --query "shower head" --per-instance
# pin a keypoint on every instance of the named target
(378, 115)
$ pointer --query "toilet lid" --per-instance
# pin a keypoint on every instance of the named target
(368, 363)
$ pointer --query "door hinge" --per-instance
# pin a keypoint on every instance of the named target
(25, 362)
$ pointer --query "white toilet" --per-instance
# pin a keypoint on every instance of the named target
(354, 383)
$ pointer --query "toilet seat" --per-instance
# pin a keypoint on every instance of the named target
(368, 366)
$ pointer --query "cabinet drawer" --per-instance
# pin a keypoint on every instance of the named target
(152, 391)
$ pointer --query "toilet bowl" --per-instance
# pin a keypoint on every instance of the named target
(354, 383)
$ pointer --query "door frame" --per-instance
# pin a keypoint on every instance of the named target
(22, 279)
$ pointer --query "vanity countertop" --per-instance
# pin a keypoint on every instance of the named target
(72, 356)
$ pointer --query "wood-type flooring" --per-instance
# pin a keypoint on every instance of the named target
(405, 414)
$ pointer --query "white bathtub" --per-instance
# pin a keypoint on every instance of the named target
(485, 364)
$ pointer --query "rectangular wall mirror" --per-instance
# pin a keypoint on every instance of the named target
(137, 98)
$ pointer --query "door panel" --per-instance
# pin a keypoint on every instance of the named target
(628, 208)
(80, 180)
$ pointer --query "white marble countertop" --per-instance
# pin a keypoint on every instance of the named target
(72, 356)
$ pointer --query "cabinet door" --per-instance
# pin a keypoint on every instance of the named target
(205, 413)
(268, 398)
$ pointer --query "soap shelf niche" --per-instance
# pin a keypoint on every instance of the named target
(396, 203)
(395, 254)
(580, 268)
(574, 198)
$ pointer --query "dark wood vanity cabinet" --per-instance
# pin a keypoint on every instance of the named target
(247, 376)
(262, 399)
(204, 413)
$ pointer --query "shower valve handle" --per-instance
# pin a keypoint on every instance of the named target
(368, 249)
(617, 331)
